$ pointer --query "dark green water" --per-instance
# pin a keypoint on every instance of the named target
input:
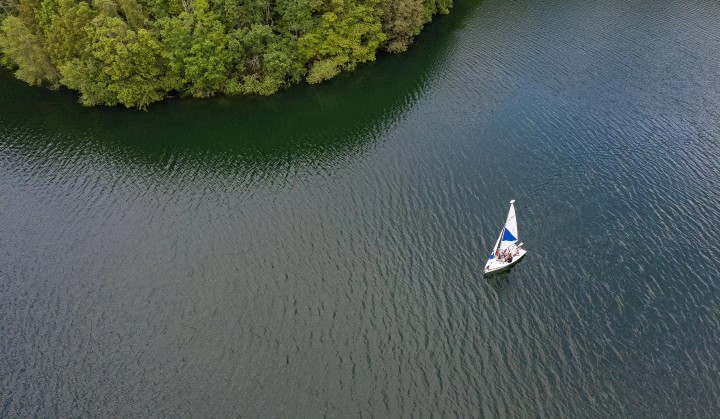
(319, 252)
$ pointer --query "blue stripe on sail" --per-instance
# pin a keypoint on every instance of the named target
(508, 237)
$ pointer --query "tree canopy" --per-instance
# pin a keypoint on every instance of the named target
(136, 52)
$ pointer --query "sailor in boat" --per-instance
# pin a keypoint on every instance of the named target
(507, 255)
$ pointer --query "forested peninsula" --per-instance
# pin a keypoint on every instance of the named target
(136, 52)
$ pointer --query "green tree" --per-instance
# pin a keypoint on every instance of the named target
(295, 17)
(433, 7)
(156, 9)
(176, 34)
(24, 50)
(65, 31)
(236, 14)
(124, 66)
(207, 64)
(27, 11)
(402, 21)
(87, 77)
(264, 61)
(132, 12)
(347, 34)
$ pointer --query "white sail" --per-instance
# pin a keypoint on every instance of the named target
(509, 234)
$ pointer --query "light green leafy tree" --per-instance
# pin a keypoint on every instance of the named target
(347, 34)
(24, 50)
(123, 66)
(65, 30)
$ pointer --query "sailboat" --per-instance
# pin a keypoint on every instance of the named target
(507, 251)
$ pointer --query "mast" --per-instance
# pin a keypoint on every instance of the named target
(497, 244)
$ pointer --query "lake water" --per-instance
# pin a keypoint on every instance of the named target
(319, 252)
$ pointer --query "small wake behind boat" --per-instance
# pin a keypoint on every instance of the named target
(507, 251)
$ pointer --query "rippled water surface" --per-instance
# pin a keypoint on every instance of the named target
(319, 252)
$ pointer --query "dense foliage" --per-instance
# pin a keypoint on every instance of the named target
(136, 52)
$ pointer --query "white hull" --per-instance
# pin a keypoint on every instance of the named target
(494, 266)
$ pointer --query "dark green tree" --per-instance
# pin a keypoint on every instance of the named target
(402, 21)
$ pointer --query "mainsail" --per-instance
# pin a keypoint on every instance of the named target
(509, 233)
